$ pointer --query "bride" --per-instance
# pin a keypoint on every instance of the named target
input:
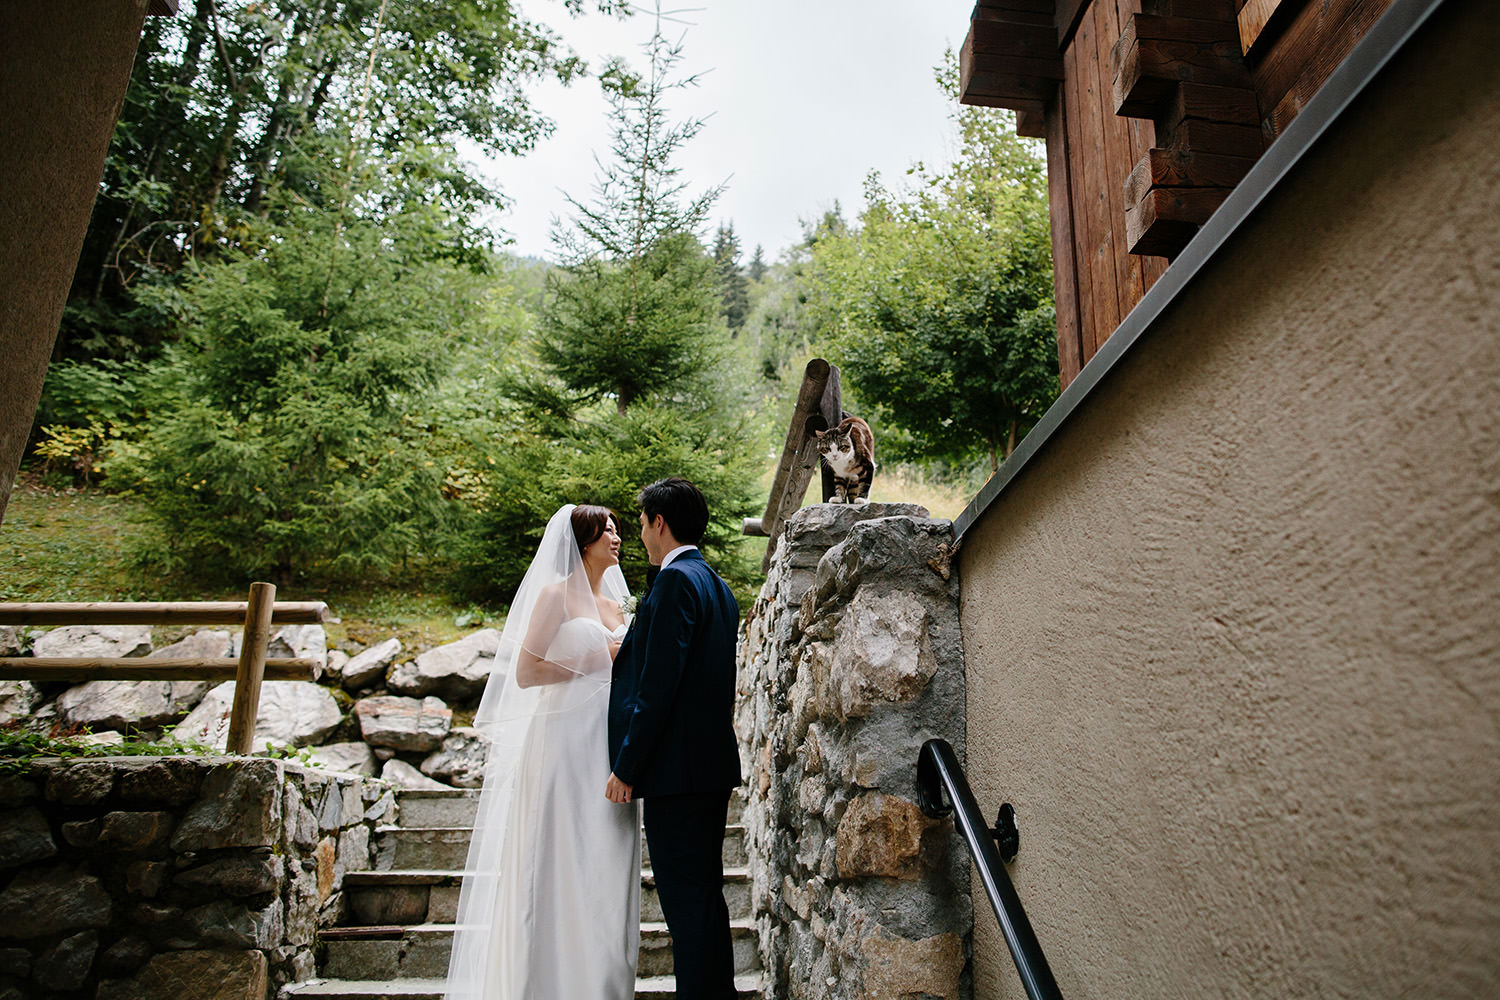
(550, 904)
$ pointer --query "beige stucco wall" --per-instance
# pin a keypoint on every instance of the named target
(1233, 641)
(64, 67)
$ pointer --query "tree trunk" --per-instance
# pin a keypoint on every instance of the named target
(285, 115)
(218, 174)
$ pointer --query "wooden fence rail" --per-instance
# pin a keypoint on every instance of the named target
(819, 406)
(257, 615)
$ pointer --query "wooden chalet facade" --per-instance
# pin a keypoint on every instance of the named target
(1152, 111)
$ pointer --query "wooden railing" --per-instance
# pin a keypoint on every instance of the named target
(252, 667)
(818, 407)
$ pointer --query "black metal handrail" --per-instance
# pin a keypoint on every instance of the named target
(938, 770)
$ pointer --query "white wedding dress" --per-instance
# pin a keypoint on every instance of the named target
(569, 916)
(550, 905)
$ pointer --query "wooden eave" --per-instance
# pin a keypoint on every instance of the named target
(1011, 59)
(1210, 148)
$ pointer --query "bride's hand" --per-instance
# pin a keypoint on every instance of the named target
(614, 647)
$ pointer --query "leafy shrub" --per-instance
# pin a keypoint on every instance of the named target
(89, 418)
(287, 441)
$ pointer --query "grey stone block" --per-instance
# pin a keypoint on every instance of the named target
(201, 975)
(237, 876)
(66, 965)
(44, 901)
(80, 784)
(25, 836)
(239, 805)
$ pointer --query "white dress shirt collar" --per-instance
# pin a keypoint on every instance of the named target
(667, 560)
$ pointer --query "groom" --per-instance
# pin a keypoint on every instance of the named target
(671, 735)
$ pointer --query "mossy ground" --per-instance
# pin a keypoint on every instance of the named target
(69, 544)
(74, 545)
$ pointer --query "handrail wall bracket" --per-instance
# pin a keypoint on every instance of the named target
(942, 790)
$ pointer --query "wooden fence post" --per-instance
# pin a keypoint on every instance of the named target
(252, 667)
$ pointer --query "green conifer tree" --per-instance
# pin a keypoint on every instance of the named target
(735, 288)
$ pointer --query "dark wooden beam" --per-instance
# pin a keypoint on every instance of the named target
(1031, 124)
(1010, 58)
(1155, 54)
(1163, 221)
(1254, 17)
(1183, 168)
(1218, 137)
(1037, 12)
(1198, 101)
(1212, 10)
(1000, 90)
(1001, 40)
(162, 8)
(985, 7)
(1069, 13)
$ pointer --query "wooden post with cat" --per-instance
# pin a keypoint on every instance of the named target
(818, 420)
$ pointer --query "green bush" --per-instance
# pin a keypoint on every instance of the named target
(606, 460)
(287, 441)
(91, 414)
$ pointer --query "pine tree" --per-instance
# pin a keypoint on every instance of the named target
(735, 293)
(758, 264)
(635, 379)
(631, 310)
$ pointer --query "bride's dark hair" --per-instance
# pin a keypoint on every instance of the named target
(589, 521)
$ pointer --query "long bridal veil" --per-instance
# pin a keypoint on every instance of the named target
(553, 617)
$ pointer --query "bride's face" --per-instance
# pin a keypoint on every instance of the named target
(605, 549)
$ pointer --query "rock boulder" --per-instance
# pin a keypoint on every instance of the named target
(456, 671)
(403, 775)
(291, 713)
(94, 640)
(403, 723)
(369, 666)
(17, 698)
(460, 762)
(355, 757)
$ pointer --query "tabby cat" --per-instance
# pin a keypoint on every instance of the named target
(848, 451)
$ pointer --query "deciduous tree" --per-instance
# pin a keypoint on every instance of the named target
(938, 305)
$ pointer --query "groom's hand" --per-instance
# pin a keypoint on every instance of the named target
(616, 790)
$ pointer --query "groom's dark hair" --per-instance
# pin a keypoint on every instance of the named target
(681, 503)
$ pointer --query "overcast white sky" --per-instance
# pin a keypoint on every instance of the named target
(806, 97)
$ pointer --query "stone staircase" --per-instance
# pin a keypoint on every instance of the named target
(400, 916)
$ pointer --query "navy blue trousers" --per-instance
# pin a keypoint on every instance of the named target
(686, 836)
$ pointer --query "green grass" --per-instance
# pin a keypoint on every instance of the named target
(899, 484)
(74, 545)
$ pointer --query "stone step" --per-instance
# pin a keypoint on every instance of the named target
(421, 952)
(431, 897)
(735, 855)
(749, 987)
(441, 848)
(419, 807)
(456, 807)
(736, 896)
(656, 949)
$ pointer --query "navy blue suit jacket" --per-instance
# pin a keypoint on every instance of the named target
(671, 700)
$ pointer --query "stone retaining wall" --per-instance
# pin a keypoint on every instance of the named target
(146, 878)
(849, 660)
